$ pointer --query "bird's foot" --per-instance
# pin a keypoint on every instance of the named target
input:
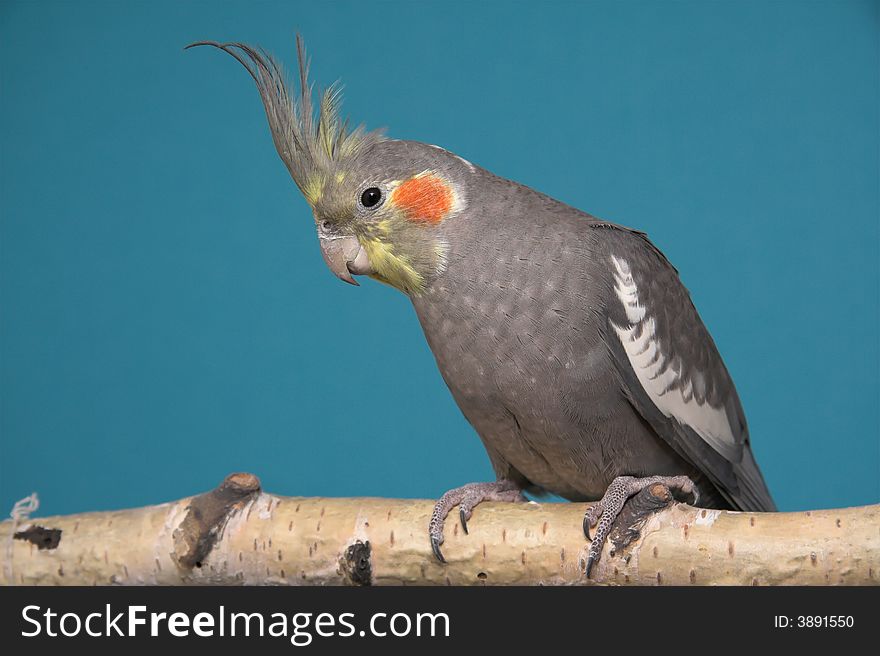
(466, 498)
(605, 511)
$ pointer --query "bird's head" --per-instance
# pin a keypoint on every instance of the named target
(379, 204)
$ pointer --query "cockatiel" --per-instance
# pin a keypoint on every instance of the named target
(568, 342)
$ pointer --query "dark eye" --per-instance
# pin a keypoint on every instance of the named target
(371, 197)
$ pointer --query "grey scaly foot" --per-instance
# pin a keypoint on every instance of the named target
(606, 510)
(466, 498)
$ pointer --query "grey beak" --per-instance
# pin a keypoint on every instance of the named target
(345, 256)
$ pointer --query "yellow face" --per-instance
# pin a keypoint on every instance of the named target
(393, 221)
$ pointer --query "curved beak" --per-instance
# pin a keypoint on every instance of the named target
(345, 256)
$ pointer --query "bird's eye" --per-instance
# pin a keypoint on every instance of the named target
(371, 197)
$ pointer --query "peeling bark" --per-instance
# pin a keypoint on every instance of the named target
(238, 534)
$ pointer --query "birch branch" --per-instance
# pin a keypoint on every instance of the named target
(237, 534)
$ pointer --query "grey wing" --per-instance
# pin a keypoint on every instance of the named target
(672, 372)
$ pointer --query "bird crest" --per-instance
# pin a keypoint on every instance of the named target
(314, 142)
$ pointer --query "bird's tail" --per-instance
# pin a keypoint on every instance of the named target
(754, 494)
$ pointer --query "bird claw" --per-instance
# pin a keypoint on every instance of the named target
(589, 567)
(435, 547)
(591, 516)
(466, 498)
(605, 512)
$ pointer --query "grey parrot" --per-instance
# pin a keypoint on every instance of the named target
(568, 342)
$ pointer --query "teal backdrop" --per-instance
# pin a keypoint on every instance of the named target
(165, 314)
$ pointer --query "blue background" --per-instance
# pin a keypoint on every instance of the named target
(166, 314)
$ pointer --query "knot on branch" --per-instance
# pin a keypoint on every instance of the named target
(628, 526)
(44, 538)
(206, 516)
(356, 563)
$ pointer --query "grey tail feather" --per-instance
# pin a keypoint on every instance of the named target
(754, 494)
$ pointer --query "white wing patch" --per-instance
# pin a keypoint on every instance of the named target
(626, 291)
(660, 379)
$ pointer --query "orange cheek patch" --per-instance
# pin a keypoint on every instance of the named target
(424, 198)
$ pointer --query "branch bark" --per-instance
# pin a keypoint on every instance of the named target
(237, 534)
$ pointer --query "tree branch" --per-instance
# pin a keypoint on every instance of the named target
(237, 534)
